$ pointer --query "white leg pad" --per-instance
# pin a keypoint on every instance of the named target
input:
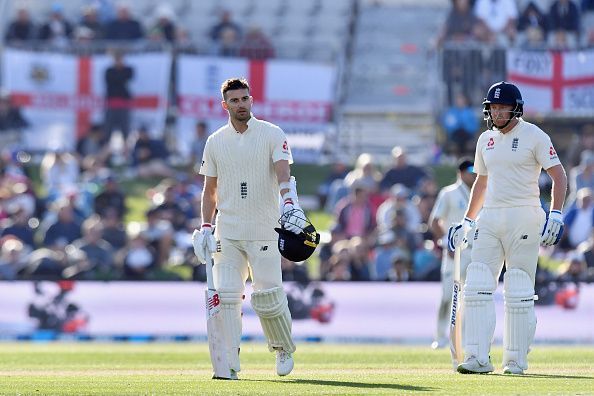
(272, 308)
(479, 312)
(231, 314)
(520, 319)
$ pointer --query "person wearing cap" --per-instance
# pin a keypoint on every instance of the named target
(449, 208)
(57, 29)
(509, 158)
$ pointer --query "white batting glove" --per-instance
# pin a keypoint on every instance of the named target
(457, 234)
(553, 229)
(204, 242)
(293, 218)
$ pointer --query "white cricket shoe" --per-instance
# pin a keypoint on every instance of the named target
(512, 368)
(284, 362)
(472, 366)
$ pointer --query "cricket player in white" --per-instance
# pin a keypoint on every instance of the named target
(449, 208)
(246, 166)
(508, 161)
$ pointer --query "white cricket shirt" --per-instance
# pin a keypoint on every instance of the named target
(513, 162)
(247, 187)
(450, 206)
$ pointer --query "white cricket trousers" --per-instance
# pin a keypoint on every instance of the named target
(511, 235)
(236, 260)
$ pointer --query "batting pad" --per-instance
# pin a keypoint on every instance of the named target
(520, 319)
(231, 314)
(479, 312)
(272, 308)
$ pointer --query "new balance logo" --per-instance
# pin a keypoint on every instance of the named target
(497, 92)
(525, 236)
(264, 248)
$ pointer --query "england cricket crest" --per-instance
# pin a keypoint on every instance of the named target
(456, 317)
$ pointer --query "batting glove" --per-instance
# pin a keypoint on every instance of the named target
(293, 218)
(553, 229)
(204, 242)
(457, 234)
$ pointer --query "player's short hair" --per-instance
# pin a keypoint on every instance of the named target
(231, 84)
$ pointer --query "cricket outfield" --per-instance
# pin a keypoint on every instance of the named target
(184, 369)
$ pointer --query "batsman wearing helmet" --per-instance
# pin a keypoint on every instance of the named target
(246, 166)
(508, 160)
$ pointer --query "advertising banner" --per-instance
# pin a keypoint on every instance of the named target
(297, 96)
(342, 311)
(62, 94)
(561, 82)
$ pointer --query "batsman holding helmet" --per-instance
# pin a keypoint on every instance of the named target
(508, 161)
(246, 166)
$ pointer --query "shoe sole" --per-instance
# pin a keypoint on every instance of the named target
(463, 370)
(510, 372)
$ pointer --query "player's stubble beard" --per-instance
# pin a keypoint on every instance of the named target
(241, 117)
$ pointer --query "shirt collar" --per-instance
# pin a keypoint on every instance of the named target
(251, 123)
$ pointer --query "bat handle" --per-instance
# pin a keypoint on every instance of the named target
(209, 277)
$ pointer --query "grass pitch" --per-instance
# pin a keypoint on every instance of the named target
(161, 369)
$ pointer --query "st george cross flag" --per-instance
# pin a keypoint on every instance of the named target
(62, 94)
(558, 82)
(291, 94)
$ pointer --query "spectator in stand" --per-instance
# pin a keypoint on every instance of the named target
(21, 29)
(65, 229)
(500, 17)
(139, 258)
(383, 253)
(339, 263)
(12, 121)
(581, 141)
(579, 220)
(399, 198)
(355, 214)
(564, 15)
(198, 144)
(583, 175)
(118, 96)
(90, 21)
(159, 235)
(60, 173)
(364, 175)
(113, 229)
(150, 156)
(92, 149)
(460, 25)
(332, 182)
(124, 27)
(99, 252)
(57, 30)
(171, 208)
(12, 258)
(573, 269)
(359, 260)
(402, 172)
(225, 23)
(18, 226)
(112, 197)
(533, 25)
(256, 45)
(407, 241)
(460, 123)
(165, 22)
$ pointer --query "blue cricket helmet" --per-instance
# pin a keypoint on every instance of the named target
(503, 93)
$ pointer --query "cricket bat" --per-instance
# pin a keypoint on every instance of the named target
(456, 317)
(214, 326)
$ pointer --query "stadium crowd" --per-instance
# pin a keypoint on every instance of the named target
(68, 216)
(110, 22)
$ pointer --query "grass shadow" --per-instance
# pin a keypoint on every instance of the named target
(548, 376)
(352, 384)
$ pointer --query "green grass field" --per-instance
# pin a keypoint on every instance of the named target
(162, 369)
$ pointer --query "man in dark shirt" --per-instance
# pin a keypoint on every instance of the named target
(21, 29)
(402, 172)
(124, 27)
(118, 97)
(111, 197)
